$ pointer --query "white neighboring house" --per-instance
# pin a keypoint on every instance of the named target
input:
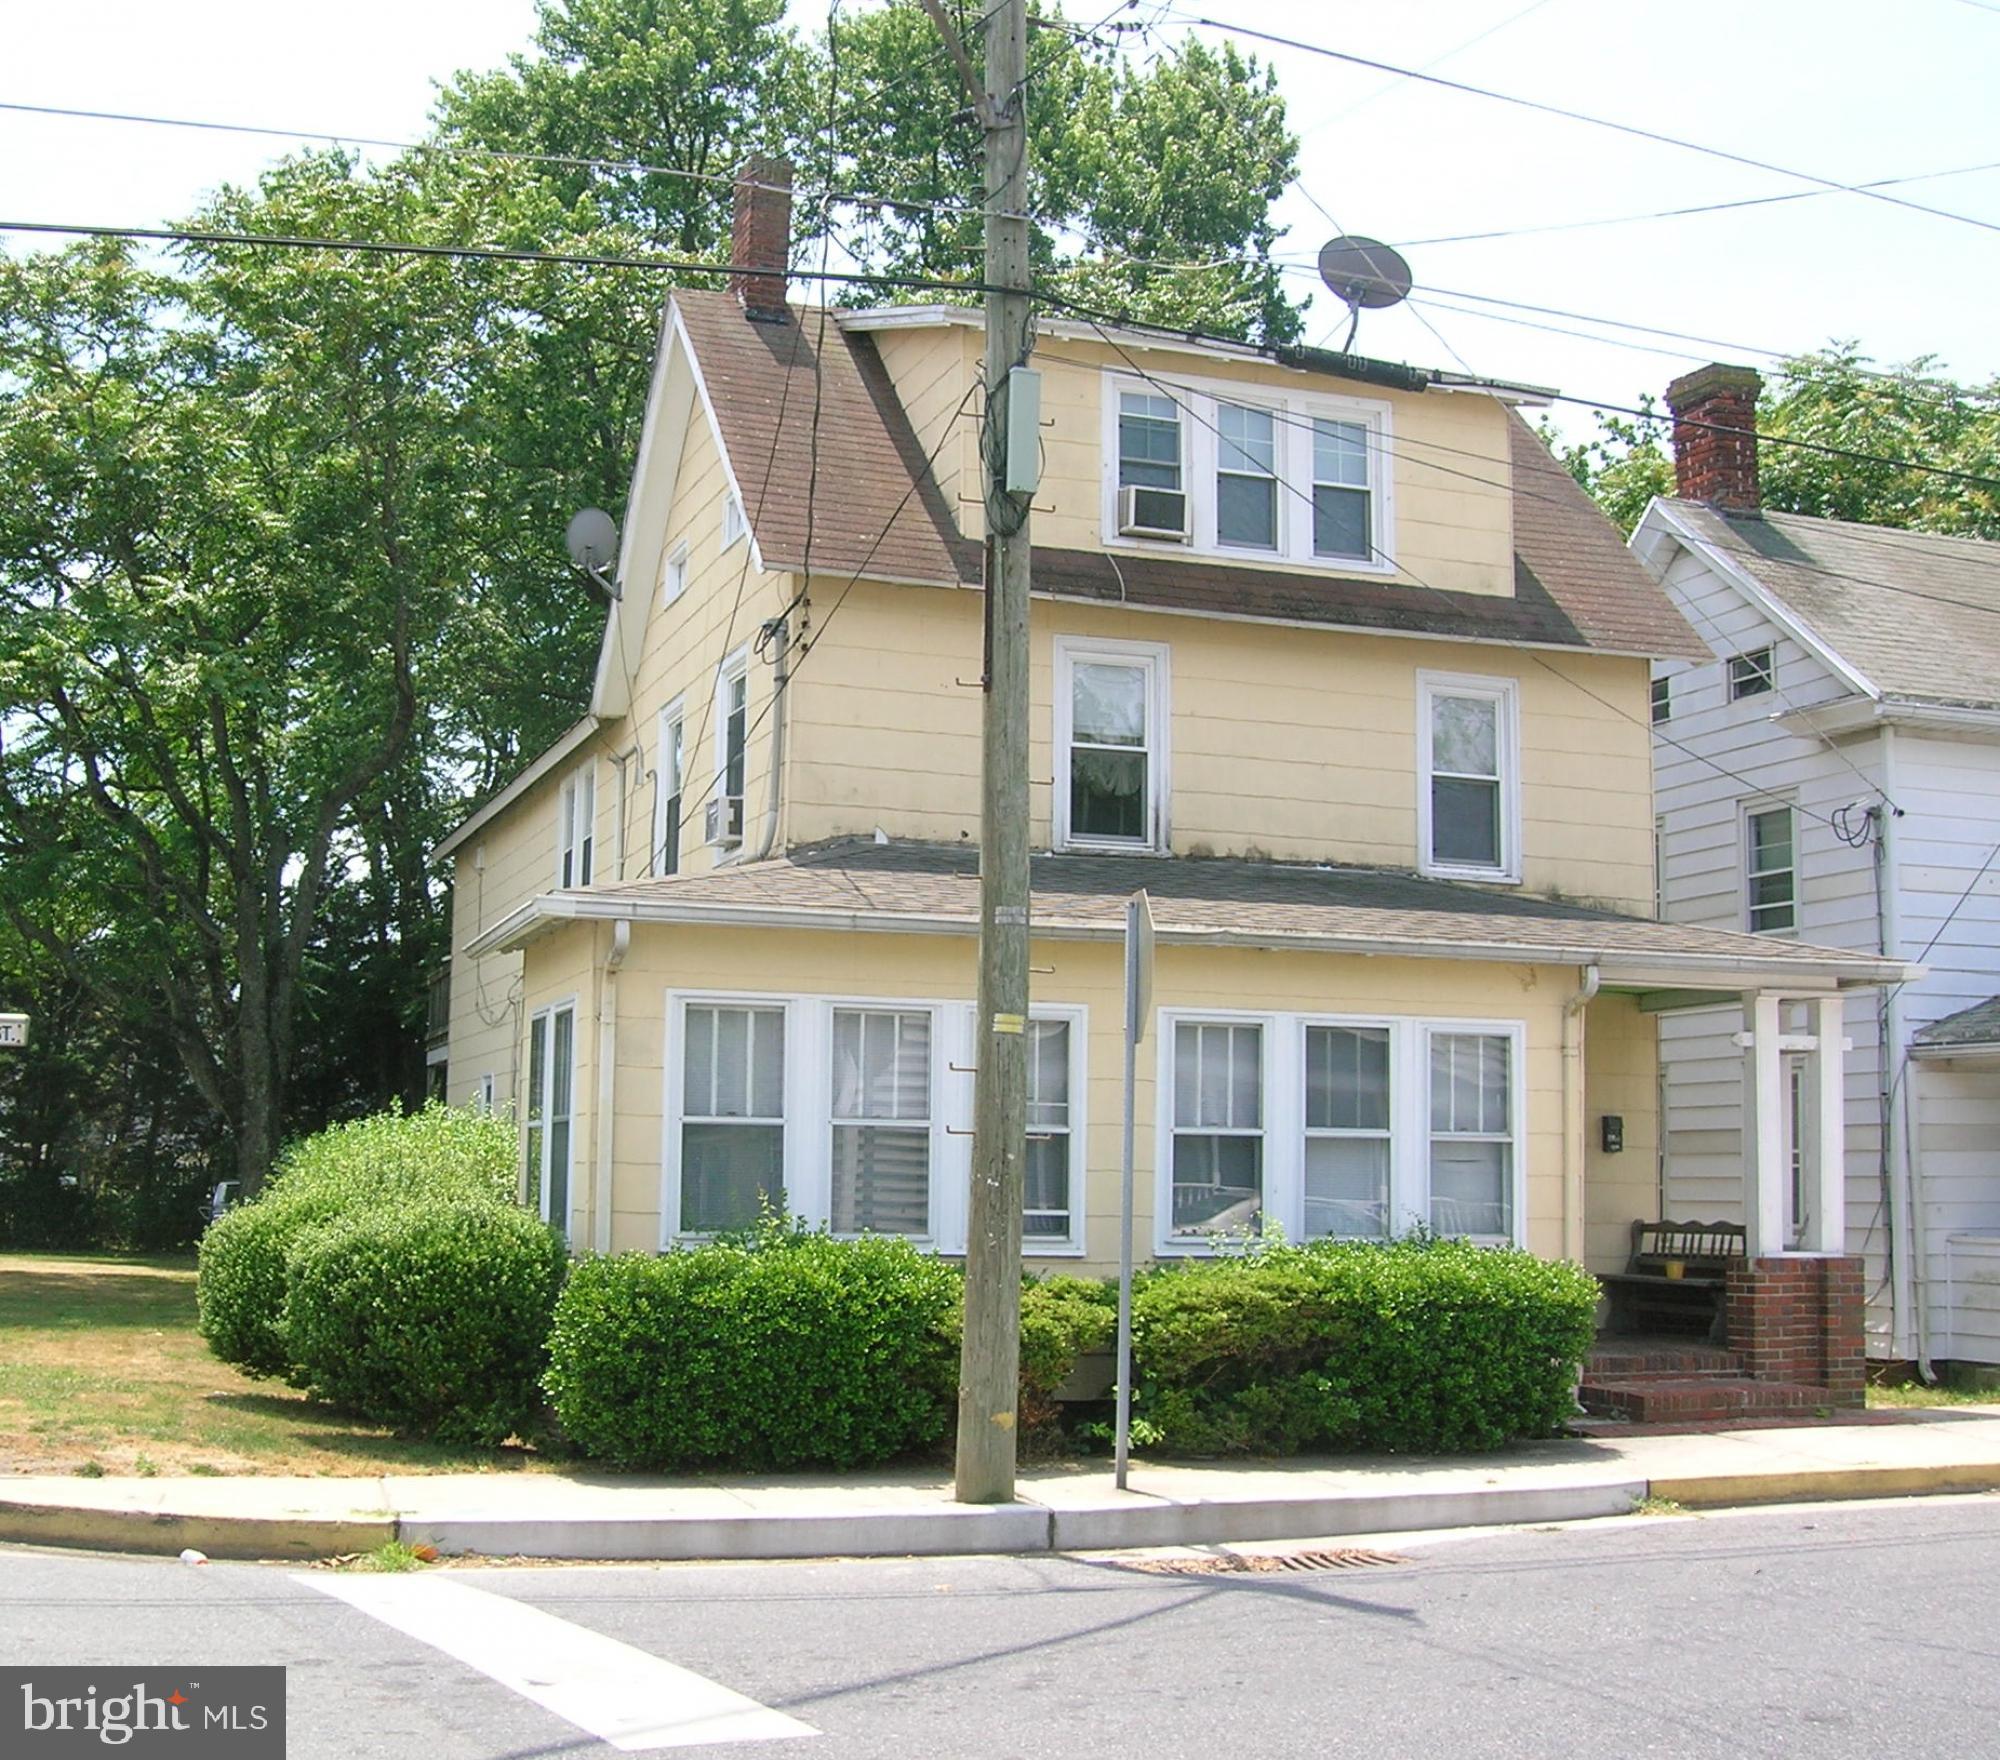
(1834, 774)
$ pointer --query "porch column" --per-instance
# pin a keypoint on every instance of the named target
(1764, 1171)
(1826, 1216)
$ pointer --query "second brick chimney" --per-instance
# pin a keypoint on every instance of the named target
(1715, 436)
(761, 238)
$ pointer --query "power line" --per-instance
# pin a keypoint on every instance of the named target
(1632, 130)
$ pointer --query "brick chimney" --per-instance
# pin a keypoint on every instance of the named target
(761, 237)
(1715, 436)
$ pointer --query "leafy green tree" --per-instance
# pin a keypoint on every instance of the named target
(1834, 399)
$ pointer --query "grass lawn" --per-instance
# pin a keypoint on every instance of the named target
(1915, 1393)
(101, 1370)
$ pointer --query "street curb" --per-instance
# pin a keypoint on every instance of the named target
(130, 1530)
(1812, 1484)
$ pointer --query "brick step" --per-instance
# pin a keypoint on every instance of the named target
(1695, 1398)
(1623, 1362)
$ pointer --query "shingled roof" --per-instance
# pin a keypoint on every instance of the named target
(934, 888)
(1978, 1025)
(1916, 614)
(1576, 584)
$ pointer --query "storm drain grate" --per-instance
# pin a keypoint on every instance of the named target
(1345, 1558)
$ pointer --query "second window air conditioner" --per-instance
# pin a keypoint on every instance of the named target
(1152, 513)
(722, 820)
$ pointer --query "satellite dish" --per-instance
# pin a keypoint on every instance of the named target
(592, 539)
(1367, 275)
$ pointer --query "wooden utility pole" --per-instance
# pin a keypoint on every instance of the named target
(989, 1369)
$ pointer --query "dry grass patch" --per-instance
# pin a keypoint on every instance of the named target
(101, 1368)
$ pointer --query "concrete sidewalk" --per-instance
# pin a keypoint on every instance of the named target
(603, 1516)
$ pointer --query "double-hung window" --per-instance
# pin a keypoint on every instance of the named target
(670, 781)
(1047, 1198)
(1663, 699)
(1752, 674)
(1246, 478)
(733, 526)
(1770, 847)
(1149, 441)
(732, 1142)
(1348, 1132)
(1110, 746)
(576, 825)
(674, 583)
(1472, 1134)
(1218, 1127)
(551, 1111)
(1468, 812)
(1342, 509)
(881, 1121)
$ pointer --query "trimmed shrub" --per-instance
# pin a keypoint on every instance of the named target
(429, 1318)
(1423, 1345)
(440, 1153)
(782, 1348)
(1062, 1318)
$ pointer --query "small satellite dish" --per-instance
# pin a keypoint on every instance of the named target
(1367, 275)
(592, 537)
(592, 540)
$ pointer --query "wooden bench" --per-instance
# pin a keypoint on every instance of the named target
(1646, 1297)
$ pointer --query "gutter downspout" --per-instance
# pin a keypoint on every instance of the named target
(1574, 1152)
(779, 631)
(1906, 1327)
(607, 1080)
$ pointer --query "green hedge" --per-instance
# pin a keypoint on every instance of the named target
(439, 1154)
(785, 1348)
(1423, 1345)
(1062, 1318)
(430, 1318)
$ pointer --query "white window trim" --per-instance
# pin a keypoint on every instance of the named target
(1745, 849)
(1284, 1117)
(808, 1122)
(1200, 450)
(1768, 672)
(543, 1019)
(734, 666)
(675, 713)
(674, 582)
(734, 527)
(1156, 658)
(579, 781)
(1506, 693)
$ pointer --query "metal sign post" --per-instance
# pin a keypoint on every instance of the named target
(1138, 1005)
(13, 1031)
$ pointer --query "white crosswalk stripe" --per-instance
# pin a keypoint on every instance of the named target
(624, 1696)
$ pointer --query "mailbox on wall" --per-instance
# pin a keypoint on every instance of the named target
(1611, 1132)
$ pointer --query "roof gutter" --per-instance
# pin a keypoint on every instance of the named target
(548, 909)
(1860, 714)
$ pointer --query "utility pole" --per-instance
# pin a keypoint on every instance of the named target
(989, 1368)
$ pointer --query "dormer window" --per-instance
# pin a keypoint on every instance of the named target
(1247, 473)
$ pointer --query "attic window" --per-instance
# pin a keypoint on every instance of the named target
(1751, 674)
(732, 520)
(1663, 698)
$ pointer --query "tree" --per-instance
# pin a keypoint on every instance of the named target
(1835, 399)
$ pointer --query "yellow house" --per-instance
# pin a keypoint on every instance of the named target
(1328, 655)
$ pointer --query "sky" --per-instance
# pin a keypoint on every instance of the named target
(1843, 90)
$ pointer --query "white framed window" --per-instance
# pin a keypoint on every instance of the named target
(1289, 476)
(1663, 699)
(1751, 674)
(1468, 777)
(1215, 1156)
(483, 1095)
(880, 1120)
(673, 582)
(1770, 867)
(1111, 749)
(1358, 1128)
(548, 1144)
(670, 789)
(1052, 1181)
(733, 526)
(732, 1116)
(1473, 1152)
(576, 825)
(1349, 1135)
(732, 735)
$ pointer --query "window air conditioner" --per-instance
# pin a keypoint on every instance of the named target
(722, 820)
(1152, 513)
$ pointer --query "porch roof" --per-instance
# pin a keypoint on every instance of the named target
(1972, 1032)
(921, 888)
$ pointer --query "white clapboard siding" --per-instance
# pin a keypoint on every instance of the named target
(1947, 914)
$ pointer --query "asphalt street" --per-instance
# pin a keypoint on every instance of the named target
(1830, 1631)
